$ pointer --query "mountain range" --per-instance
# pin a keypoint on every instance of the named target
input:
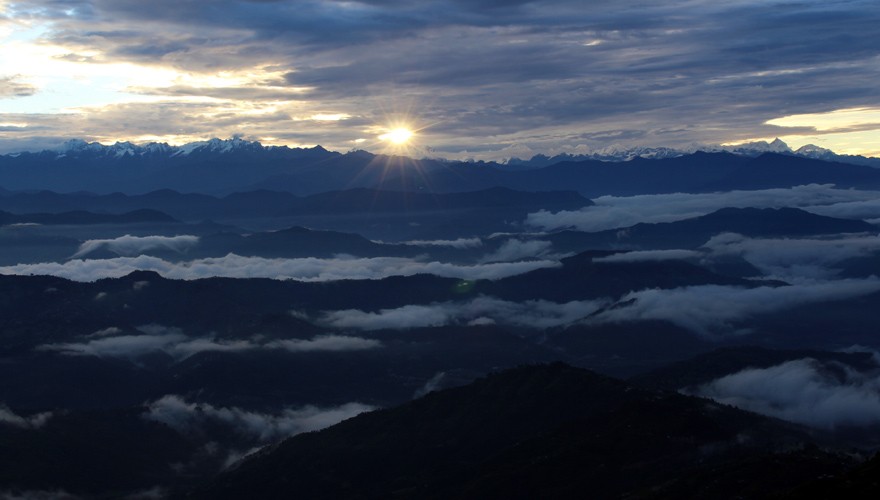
(223, 167)
(228, 320)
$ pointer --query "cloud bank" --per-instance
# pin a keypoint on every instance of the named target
(129, 245)
(611, 212)
(714, 310)
(795, 259)
(479, 311)
(302, 269)
(512, 250)
(10, 418)
(651, 255)
(802, 391)
(172, 341)
(263, 427)
(459, 243)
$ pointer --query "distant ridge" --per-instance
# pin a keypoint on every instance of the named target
(221, 167)
(751, 149)
(80, 217)
(614, 152)
(272, 203)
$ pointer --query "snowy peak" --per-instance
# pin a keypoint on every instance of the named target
(79, 147)
(760, 147)
(609, 153)
(778, 146)
(815, 152)
(216, 145)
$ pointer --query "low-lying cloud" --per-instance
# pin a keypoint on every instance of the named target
(611, 212)
(479, 311)
(460, 243)
(803, 391)
(713, 310)
(301, 269)
(33, 422)
(793, 259)
(175, 343)
(38, 495)
(185, 417)
(512, 250)
(651, 255)
(327, 343)
(129, 245)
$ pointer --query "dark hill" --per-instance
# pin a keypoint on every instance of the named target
(581, 278)
(779, 170)
(862, 483)
(694, 232)
(547, 431)
(271, 203)
(365, 200)
(296, 242)
(698, 172)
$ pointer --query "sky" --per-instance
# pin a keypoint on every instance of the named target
(482, 79)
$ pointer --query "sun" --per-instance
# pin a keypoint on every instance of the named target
(397, 136)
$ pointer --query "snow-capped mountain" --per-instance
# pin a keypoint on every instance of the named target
(616, 152)
(78, 147)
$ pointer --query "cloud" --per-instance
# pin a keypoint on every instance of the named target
(326, 343)
(9, 418)
(12, 86)
(651, 255)
(434, 383)
(37, 495)
(513, 249)
(263, 427)
(172, 341)
(129, 245)
(713, 310)
(488, 74)
(123, 346)
(795, 259)
(859, 209)
(460, 243)
(304, 269)
(611, 212)
(139, 285)
(104, 332)
(479, 311)
(803, 391)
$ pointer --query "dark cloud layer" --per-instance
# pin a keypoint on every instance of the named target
(551, 74)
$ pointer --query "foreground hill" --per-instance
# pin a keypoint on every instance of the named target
(548, 431)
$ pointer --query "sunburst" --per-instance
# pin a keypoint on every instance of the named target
(397, 136)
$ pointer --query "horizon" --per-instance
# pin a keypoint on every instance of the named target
(483, 80)
(607, 151)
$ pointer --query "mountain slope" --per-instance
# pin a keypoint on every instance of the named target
(696, 231)
(548, 431)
